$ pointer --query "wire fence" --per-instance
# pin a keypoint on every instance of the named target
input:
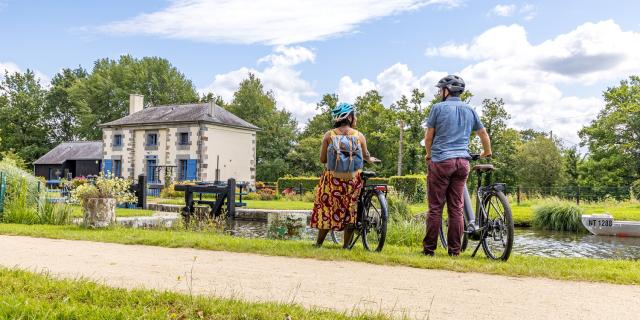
(575, 193)
(3, 190)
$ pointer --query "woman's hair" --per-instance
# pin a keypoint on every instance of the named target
(345, 121)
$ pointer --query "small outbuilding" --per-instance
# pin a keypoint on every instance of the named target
(69, 160)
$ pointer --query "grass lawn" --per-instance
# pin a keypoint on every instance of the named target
(120, 212)
(523, 213)
(612, 271)
(26, 295)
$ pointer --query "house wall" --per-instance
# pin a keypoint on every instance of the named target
(236, 151)
(42, 170)
(76, 167)
(87, 167)
(235, 147)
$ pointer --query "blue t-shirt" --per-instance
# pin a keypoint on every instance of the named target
(453, 120)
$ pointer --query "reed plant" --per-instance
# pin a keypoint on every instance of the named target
(558, 215)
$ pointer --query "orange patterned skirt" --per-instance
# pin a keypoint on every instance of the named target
(336, 202)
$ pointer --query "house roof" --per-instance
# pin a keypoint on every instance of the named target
(183, 113)
(79, 150)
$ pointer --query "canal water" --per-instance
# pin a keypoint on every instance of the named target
(526, 242)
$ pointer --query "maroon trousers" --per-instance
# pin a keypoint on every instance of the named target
(445, 184)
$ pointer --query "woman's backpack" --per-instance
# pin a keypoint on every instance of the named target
(344, 153)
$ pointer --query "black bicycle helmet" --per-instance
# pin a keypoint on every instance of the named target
(451, 82)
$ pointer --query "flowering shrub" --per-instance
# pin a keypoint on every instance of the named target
(267, 194)
(104, 187)
(74, 183)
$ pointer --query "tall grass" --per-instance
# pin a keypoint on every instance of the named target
(21, 184)
(54, 213)
(558, 215)
(407, 233)
(399, 208)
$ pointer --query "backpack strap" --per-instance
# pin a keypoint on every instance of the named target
(336, 145)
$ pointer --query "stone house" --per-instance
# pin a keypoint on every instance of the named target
(200, 141)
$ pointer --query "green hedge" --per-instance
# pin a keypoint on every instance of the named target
(378, 181)
(413, 187)
(307, 183)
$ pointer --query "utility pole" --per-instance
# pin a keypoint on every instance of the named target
(399, 172)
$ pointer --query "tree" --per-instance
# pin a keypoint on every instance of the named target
(321, 122)
(64, 114)
(530, 134)
(278, 128)
(105, 92)
(15, 159)
(504, 140)
(571, 162)
(539, 164)
(379, 126)
(211, 97)
(613, 138)
(22, 119)
(411, 115)
(305, 156)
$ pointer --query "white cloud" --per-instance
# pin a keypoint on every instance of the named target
(266, 21)
(503, 10)
(290, 91)
(526, 11)
(392, 83)
(11, 67)
(530, 76)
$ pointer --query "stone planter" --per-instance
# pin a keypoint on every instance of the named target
(287, 225)
(99, 212)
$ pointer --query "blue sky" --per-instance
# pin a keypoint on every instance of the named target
(549, 60)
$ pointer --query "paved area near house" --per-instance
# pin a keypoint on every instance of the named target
(340, 285)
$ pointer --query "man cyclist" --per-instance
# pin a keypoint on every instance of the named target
(447, 134)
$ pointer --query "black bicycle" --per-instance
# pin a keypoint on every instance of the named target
(494, 227)
(372, 216)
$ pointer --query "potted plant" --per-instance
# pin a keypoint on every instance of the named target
(99, 199)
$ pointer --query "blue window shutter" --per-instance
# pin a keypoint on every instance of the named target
(108, 167)
(192, 169)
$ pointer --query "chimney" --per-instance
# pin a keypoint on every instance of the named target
(212, 109)
(136, 103)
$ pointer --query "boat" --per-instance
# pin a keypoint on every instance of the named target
(605, 225)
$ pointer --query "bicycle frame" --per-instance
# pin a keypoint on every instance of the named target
(367, 192)
(478, 229)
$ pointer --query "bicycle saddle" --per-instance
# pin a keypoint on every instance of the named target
(367, 174)
(483, 167)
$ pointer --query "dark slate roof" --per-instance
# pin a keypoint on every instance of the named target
(182, 113)
(79, 150)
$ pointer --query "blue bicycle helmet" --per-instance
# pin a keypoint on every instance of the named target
(342, 111)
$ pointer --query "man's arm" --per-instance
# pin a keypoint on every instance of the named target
(486, 143)
(428, 141)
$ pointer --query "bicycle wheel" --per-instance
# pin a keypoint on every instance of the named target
(444, 227)
(498, 239)
(337, 237)
(374, 224)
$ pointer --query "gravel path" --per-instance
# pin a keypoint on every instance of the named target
(340, 285)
